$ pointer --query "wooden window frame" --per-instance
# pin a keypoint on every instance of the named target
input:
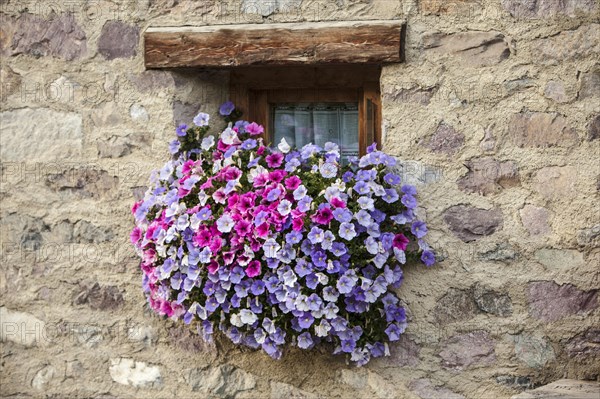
(255, 89)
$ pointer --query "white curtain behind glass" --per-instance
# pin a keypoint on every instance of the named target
(317, 123)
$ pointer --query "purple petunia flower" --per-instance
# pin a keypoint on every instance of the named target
(182, 130)
(226, 108)
(419, 229)
(428, 258)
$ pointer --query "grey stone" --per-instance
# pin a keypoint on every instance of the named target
(418, 95)
(560, 259)
(594, 128)
(425, 389)
(500, 253)
(184, 112)
(556, 182)
(40, 134)
(107, 115)
(568, 45)
(86, 232)
(469, 223)
(88, 335)
(534, 351)
(280, 390)
(555, 90)
(224, 381)
(590, 85)
(585, 345)
(541, 130)
(535, 220)
(81, 232)
(43, 378)
(488, 176)
(190, 342)
(566, 389)
(439, 7)
(147, 335)
(10, 82)
(15, 324)
(60, 36)
(488, 143)
(118, 40)
(472, 48)
(404, 352)
(466, 350)
(519, 84)
(548, 8)
(455, 305)
(26, 231)
(265, 8)
(445, 140)
(492, 302)
(139, 192)
(514, 381)
(74, 369)
(138, 113)
(113, 147)
(589, 236)
(82, 182)
(549, 301)
(416, 173)
(108, 297)
(137, 374)
(356, 379)
(152, 80)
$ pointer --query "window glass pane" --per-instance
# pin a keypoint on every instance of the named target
(317, 123)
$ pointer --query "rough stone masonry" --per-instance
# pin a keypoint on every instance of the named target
(495, 114)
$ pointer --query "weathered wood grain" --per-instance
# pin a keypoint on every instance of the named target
(315, 43)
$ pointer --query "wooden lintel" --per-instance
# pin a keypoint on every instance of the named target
(314, 43)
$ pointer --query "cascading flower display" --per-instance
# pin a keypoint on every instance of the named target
(277, 246)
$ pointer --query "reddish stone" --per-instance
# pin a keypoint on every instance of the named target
(594, 128)
(549, 301)
(590, 85)
(548, 8)
(585, 345)
(556, 182)
(535, 220)
(487, 176)
(471, 49)
(405, 352)
(118, 40)
(425, 389)
(540, 130)
(471, 349)
(100, 297)
(455, 305)
(59, 36)
(469, 223)
(445, 140)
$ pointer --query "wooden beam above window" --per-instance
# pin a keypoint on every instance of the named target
(314, 43)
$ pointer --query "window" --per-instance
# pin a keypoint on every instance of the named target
(317, 104)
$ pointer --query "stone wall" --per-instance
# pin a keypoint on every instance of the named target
(495, 114)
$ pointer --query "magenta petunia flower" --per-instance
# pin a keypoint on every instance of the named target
(274, 160)
(292, 182)
(323, 216)
(253, 269)
(400, 241)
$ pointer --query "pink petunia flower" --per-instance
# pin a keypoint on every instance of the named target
(254, 129)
